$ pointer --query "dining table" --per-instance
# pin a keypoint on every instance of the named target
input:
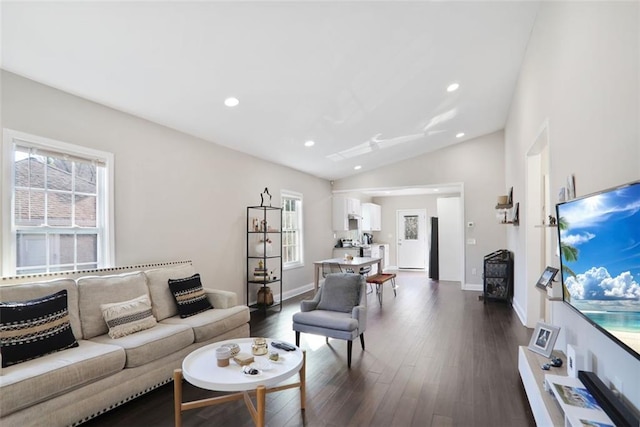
(355, 264)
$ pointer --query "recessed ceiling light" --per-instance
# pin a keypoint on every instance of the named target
(231, 101)
(436, 189)
(357, 167)
(309, 143)
(460, 135)
(453, 87)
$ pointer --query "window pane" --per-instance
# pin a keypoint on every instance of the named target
(59, 209)
(59, 172)
(87, 248)
(86, 178)
(61, 248)
(86, 211)
(29, 170)
(29, 207)
(31, 250)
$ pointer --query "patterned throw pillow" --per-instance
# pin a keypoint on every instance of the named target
(128, 317)
(189, 295)
(30, 329)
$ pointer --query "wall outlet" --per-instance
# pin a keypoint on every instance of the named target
(474, 271)
(471, 241)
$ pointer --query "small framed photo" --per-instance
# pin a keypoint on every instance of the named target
(544, 338)
(546, 278)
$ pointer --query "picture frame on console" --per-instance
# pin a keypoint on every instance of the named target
(544, 338)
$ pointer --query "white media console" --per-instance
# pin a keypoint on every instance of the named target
(556, 398)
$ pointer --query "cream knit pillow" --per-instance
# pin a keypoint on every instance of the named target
(128, 317)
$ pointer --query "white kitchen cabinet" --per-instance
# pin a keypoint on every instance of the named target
(353, 207)
(346, 213)
(371, 217)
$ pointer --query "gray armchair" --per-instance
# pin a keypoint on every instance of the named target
(338, 310)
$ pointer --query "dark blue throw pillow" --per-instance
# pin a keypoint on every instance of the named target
(189, 295)
(30, 329)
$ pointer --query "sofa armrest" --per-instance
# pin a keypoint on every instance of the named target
(221, 299)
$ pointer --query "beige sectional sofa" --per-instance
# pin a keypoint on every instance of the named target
(76, 384)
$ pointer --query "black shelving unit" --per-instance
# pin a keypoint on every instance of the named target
(498, 276)
(264, 256)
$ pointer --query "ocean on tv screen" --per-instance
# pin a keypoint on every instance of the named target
(600, 249)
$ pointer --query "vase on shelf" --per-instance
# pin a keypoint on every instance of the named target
(262, 246)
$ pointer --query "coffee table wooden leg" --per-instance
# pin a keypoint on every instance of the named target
(303, 376)
(177, 396)
(261, 393)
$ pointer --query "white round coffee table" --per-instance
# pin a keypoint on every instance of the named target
(200, 369)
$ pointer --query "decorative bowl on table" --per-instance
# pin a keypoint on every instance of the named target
(233, 347)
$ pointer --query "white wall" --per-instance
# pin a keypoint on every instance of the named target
(177, 197)
(450, 238)
(581, 72)
(476, 163)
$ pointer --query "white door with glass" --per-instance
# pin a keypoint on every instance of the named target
(412, 238)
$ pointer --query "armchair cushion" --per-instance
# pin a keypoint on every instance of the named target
(340, 292)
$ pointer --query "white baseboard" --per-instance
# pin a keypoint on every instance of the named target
(520, 312)
(472, 287)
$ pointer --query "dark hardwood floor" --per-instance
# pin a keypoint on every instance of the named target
(435, 356)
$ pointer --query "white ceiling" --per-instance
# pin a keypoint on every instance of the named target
(365, 80)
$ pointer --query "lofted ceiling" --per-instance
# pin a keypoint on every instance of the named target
(366, 81)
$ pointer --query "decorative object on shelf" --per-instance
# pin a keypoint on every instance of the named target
(562, 194)
(263, 196)
(265, 296)
(507, 211)
(263, 247)
(552, 220)
(571, 187)
(544, 338)
(514, 217)
(260, 272)
(577, 360)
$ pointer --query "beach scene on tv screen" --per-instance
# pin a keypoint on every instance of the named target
(600, 249)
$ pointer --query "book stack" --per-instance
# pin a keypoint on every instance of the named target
(261, 274)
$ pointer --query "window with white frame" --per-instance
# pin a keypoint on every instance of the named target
(292, 244)
(57, 206)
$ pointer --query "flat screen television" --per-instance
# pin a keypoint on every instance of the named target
(599, 237)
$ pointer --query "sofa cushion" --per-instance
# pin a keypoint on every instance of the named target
(163, 303)
(33, 328)
(96, 290)
(189, 295)
(128, 317)
(41, 379)
(34, 290)
(151, 344)
(340, 292)
(212, 323)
